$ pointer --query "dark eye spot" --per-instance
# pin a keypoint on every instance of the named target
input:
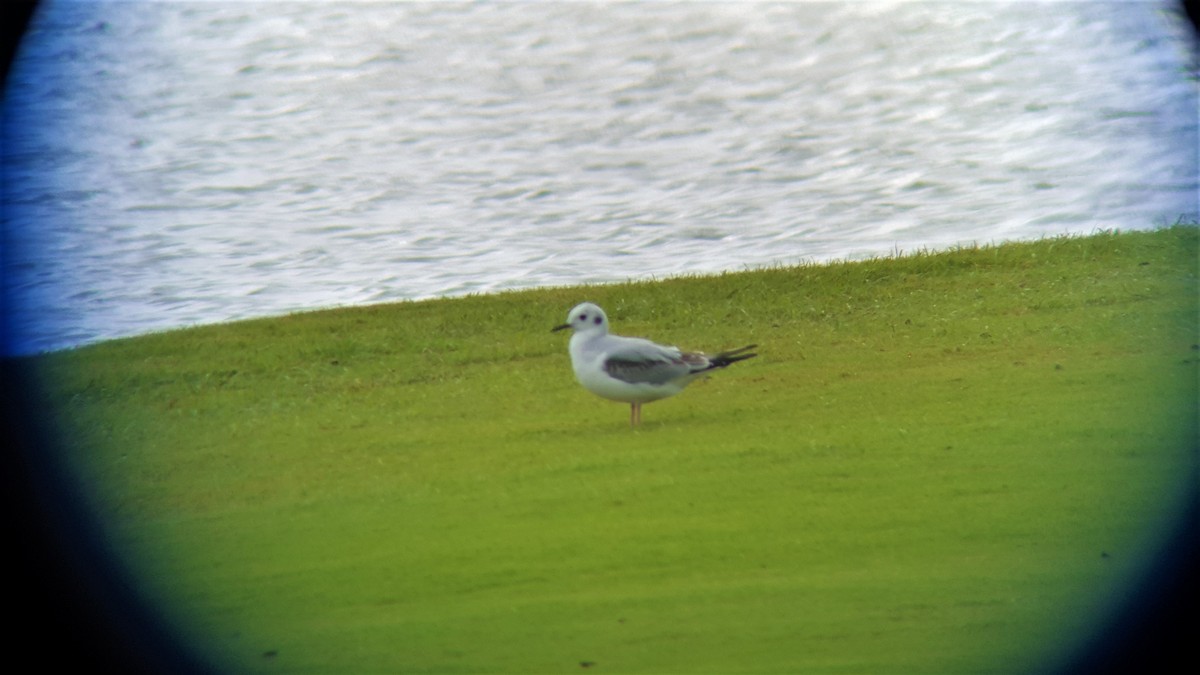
(597, 321)
(583, 317)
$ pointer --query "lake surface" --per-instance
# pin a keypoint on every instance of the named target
(177, 163)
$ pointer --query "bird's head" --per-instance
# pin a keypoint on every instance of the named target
(585, 318)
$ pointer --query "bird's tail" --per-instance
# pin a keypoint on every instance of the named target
(732, 356)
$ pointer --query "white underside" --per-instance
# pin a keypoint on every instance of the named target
(600, 384)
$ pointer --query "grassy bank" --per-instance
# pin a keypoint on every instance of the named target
(943, 463)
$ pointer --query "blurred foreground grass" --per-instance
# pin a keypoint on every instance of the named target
(941, 463)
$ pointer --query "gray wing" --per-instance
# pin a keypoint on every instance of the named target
(642, 361)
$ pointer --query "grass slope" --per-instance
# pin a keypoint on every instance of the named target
(941, 463)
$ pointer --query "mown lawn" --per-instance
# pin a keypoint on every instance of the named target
(939, 463)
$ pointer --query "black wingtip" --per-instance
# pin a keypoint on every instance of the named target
(732, 356)
(735, 352)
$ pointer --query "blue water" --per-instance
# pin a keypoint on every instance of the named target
(175, 163)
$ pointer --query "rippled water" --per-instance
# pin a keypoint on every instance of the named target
(176, 163)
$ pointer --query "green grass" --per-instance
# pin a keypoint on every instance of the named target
(940, 463)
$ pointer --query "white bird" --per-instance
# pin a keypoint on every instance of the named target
(633, 370)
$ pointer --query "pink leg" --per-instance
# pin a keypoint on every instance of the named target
(635, 414)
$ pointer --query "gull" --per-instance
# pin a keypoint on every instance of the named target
(633, 370)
